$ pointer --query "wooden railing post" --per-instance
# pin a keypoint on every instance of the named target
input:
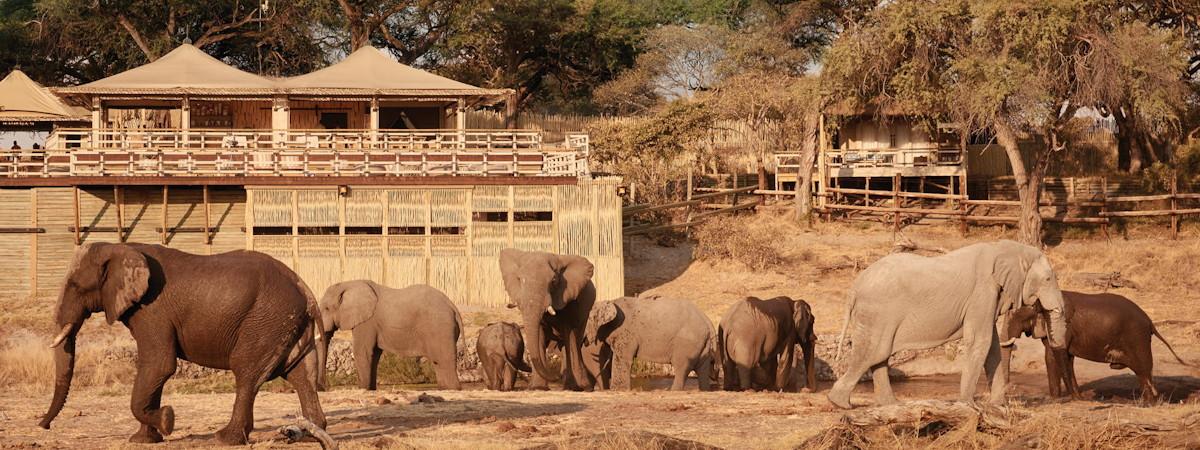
(1104, 205)
(688, 214)
(1174, 209)
(896, 202)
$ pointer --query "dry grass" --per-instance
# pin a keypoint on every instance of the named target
(27, 362)
(749, 240)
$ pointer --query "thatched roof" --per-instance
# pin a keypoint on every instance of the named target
(23, 100)
(366, 72)
(186, 69)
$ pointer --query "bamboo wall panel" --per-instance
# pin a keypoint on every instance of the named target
(363, 259)
(574, 218)
(319, 261)
(450, 207)
(487, 239)
(317, 208)
(278, 247)
(409, 208)
(228, 208)
(449, 266)
(272, 208)
(534, 236)
(55, 247)
(533, 198)
(406, 261)
(16, 249)
(490, 198)
(251, 115)
(364, 207)
(608, 218)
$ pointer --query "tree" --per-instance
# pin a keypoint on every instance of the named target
(410, 29)
(676, 62)
(1019, 68)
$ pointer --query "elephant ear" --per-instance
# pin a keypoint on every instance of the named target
(355, 304)
(1009, 271)
(803, 318)
(576, 274)
(126, 279)
(603, 313)
(510, 266)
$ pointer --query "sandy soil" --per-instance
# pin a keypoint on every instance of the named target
(822, 263)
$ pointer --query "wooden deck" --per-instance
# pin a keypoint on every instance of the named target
(82, 153)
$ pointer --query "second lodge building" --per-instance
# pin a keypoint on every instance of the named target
(364, 169)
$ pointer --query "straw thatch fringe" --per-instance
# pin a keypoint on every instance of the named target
(490, 198)
(272, 208)
(316, 208)
(364, 207)
(408, 208)
(319, 261)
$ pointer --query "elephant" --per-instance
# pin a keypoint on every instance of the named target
(654, 329)
(905, 301)
(501, 351)
(758, 335)
(1100, 327)
(418, 320)
(555, 294)
(241, 311)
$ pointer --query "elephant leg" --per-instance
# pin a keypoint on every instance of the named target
(574, 373)
(1068, 371)
(510, 378)
(745, 377)
(155, 366)
(366, 359)
(996, 366)
(253, 363)
(310, 405)
(979, 336)
(862, 358)
(622, 370)
(1146, 379)
(683, 365)
(767, 372)
(883, 385)
(730, 381)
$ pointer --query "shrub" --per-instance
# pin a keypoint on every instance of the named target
(738, 239)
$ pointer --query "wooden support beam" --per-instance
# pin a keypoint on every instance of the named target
(165, 207)
(120, 213)
(208, 217)
(1174, 207)
(896, 202)
(77, 240)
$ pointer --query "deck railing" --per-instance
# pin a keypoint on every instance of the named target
(894, 157)
(298, 153)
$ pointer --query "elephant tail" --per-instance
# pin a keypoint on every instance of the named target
(719, 353)
(713, 353)
(314, 330)
(845, 325)
(1154, 330)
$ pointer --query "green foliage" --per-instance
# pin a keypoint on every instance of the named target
(1185, 169)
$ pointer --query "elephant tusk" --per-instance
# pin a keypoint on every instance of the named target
(1008, 342)
(550, 310)
(62, 335)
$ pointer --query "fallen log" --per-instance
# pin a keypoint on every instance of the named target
(861, 427)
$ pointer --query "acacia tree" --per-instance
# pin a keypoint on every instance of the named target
(1019, 68)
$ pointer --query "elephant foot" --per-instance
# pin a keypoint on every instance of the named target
(232, 435)
(843, 403)
(146, 435)
(164, 420)
(806, 390)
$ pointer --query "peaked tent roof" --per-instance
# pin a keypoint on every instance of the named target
(23, 100)
(369, 71)
(185, 69)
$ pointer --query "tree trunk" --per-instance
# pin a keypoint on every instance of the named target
(1029, 187)
(808, 157)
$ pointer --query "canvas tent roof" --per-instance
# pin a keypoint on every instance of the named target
(23, 100)
(186, 69)
(369, 70)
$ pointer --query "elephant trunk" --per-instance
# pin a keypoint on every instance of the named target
(322, 360)
(1058, 329)
(535, 341)
(64, 369)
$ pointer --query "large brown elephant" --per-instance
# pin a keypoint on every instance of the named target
(555, 295)
(1101, 327)
(241, 311)
(761, 336)
(418, 320)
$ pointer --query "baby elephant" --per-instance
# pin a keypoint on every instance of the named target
(501, 353)
(1100, 327)
(652, 329)
(760, 336)
(418, 320)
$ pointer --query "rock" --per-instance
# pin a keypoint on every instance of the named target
(624, 439)
(426, 398)
(382, 401)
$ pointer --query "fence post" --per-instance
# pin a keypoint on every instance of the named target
(688, 215)
(895, 202)
(1104, 206)
(1174, 211)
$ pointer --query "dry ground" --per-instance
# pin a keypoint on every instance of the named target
(819, 264)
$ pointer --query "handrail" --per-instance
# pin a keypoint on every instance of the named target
(73, 138)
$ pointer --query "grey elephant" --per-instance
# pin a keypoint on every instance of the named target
(906, 301)
(418, 320)
(555, 295)
(501, 351)
(653, 329)
(761, 336)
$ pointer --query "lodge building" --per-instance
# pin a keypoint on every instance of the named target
(364, 169)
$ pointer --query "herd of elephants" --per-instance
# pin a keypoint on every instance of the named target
(247, 312)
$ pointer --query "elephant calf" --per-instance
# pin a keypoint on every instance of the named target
(653, 329)
(761, 336)
(1100, 327)
(501, 353)
(418, 320)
